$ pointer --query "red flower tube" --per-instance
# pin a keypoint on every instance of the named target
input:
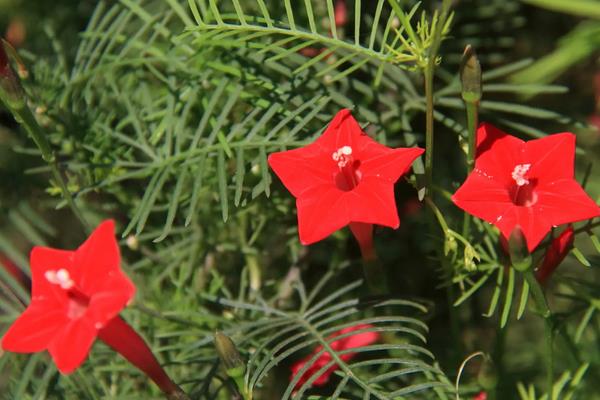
(527, 184)
(77, 296)
(555, 254)
(347, 342)
(343, 178)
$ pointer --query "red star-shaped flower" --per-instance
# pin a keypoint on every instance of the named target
(527, 184)
(347, 341)
(344, 177)
(74, 295)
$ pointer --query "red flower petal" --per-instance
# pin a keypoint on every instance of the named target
(42, 260)
(34, 329)
(489, 202)
(320, 213)
(340, 13)
(554, 156)
(97, 260)
(480, 396)
(314, 171)
(373, 202)
(564, 201)
(72, 345)
(385, 163)
(358, 339)
(497, 154)
(345, 343)
(104, 306)
(343, 130)
(533, 224)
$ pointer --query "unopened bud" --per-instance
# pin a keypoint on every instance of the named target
(520, 257)
(470, 75)
(556, 253)
(11, 92)
(232, 361)
(229, 355)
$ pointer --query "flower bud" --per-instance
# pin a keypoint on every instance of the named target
(229, 355)
(470, 75)
(11, 92)
(555, 254)
(517, 248)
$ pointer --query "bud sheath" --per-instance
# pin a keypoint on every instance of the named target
(470, 76)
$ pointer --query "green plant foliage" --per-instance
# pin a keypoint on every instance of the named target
(162, 117)
(400, 367)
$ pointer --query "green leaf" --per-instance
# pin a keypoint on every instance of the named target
(582, 8)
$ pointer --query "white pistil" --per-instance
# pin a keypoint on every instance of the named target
(60, 277)
(519, 172)
(342, 156)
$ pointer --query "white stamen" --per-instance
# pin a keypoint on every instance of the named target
(519, 172)
(342, 156)
(60, 277)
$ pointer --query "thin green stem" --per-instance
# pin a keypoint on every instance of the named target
(428, 71)
(429, 129)
(25, 117)
(254, 269)
(542, 306)
(472, 119)
(589, 226)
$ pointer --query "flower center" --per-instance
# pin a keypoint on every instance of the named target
(348, 176)
(60, 278)
(523, 192)
(519, 172)
(77, 301)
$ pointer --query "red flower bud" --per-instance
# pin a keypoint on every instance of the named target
(555, 254)
(11, 92)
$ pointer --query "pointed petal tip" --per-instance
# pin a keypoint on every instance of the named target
(107, 224)
(66, 370)
(340, 117)
(304, 242)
